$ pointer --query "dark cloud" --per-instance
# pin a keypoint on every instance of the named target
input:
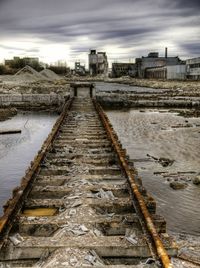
(133, 25)
(194, 4)
(191, 48)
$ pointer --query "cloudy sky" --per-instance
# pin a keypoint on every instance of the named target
(67, 29)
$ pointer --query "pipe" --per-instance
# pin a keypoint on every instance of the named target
(166, 52)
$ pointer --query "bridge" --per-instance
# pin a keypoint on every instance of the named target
(81, 202)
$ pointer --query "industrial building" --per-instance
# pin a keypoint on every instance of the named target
(79, 69)
(123, 69)
(193, 68)
(98, 63)
(173, 72)
(153, 60)
(26, 61)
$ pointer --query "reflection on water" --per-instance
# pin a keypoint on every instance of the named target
(18, 150)
(155, 133)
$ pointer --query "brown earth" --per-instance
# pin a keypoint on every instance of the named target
(7, 113)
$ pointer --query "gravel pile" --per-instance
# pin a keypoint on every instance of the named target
(25, 75)
(29, 70)
(28, 74)
(49, 74)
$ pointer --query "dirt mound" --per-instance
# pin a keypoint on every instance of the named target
(49, 74)
(29, 70)
(7, 113)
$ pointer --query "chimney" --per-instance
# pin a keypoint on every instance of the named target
(166, 52)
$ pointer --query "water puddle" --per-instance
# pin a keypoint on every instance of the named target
(165, 154)
(18, 150)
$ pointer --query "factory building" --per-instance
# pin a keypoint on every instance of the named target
(26, 61)
(173, 72)
(98, 63)
(153, 60)
(79, 69)
(123, 69)
(193, 68)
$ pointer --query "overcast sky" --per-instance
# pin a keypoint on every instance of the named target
(125, 29)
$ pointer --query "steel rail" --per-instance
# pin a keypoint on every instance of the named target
(20, 193)
(161, 251)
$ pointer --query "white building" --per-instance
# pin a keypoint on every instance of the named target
(171, 72)
(193, 68)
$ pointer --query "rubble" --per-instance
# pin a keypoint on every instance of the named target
(177, 185)
(196, 180)
(165, 162)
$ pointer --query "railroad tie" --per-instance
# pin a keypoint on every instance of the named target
(75, 206)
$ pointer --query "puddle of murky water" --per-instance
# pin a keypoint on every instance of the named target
(154, 133)
(18, 150)
(101, 86)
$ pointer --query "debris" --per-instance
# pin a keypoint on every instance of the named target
(94, 259)
(105, 195)
(97, 232)
(76, 204)
(16, 239)
(72, 212)
(165, 162)
(16, 131)
(72, 197)
(177, 185)
(131, 237)
(73, 261)
(196, 180)
(79, 230)
(149, 261)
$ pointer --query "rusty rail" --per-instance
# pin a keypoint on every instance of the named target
(160, 250)
(21, 192)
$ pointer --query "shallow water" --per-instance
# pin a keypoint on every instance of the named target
(100, 86)
(18, 150)
(155, 133)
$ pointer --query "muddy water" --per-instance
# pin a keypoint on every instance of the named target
(164, 134)
(100, 86)
(18, 150)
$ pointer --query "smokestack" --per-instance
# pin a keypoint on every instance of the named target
(166, 52)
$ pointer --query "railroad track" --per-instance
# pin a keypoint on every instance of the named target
(81, 204)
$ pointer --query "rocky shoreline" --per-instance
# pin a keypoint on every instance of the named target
(7, 113)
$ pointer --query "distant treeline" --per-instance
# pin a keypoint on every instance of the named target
(14, 67)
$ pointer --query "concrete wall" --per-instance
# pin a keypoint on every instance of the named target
(30, 100)
(177, 72)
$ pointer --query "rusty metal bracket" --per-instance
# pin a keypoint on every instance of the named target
(160, 250)
(21, 192)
